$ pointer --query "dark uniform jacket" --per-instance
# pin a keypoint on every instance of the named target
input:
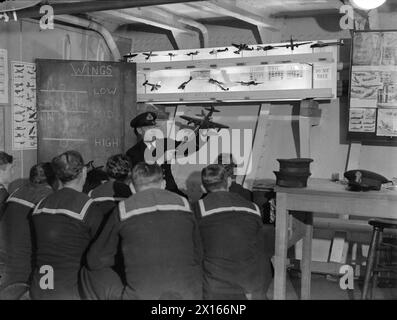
(108, 195)
(239, 189)
(137, 154)
(160, 243)
(65, 223)
(17, 231)
(233, 242)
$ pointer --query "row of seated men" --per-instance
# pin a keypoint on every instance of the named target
(128, 242)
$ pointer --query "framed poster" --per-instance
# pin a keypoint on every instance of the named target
(373, 88)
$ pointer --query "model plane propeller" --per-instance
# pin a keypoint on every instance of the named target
(154, 86)
(321, 44)
(241, 47)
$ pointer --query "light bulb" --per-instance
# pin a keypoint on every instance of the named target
(367, 4)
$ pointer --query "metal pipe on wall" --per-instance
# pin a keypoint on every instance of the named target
(92, 25)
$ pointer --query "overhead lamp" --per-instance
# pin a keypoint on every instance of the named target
(367, 4)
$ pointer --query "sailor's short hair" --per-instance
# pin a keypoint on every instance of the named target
(68, 165)
(118, 167)
(5, 158)
(214, 177)
(145, 174)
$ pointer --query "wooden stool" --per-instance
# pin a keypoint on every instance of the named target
(372, 267)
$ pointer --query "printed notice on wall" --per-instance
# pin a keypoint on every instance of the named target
(387, 122)
(24, 113)
(362, 120)
(3, 76)
(322, 73)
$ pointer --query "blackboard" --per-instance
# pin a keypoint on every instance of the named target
(85, 106)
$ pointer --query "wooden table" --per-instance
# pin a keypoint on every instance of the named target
(320, 196)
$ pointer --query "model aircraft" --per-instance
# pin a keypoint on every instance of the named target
(17, 85)
(20, 112)
(29, 85)
(154, 86)
(170, 54)
(18, 70)
(241, 47)
(266, 48)
(249, 83)
(218, 83)
(321, 44)
(17, 91)
(292, 44)
(193, 53)
(183, 85)
(218, 50)
(19, 135)
(130, 55)
(19, 128)
(205, 122)
(31, 130)
(149, 55)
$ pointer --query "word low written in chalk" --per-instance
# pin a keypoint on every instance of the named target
(103, 91)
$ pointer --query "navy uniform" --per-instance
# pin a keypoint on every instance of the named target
(160, 243)
(17, 231)
(239, 189)
(234, 264)
(3, 197)
(108, 195)
(65, 223)
(137, 152)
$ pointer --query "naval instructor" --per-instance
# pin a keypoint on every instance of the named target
(142, 124)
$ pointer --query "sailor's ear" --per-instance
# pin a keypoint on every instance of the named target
(203, 189)
(229, 182)
(163, 184)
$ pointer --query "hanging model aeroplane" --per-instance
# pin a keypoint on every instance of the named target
(130, 55)
(218, 50)
(293, 44)
(193, 53)
(154, 86)
(183, 85)
(205, 122)
(218, 83)
(241, 47)
(149, 55)
(321, 44)
(249, 83)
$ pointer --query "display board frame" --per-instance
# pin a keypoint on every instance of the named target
(368, 138)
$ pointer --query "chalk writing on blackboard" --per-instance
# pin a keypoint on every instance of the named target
(90, 70)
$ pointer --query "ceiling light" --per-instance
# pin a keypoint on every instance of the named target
(367, 4)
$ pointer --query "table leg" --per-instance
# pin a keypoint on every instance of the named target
(281, 246)
(307, 257)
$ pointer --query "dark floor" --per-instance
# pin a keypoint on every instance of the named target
(327, 288)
